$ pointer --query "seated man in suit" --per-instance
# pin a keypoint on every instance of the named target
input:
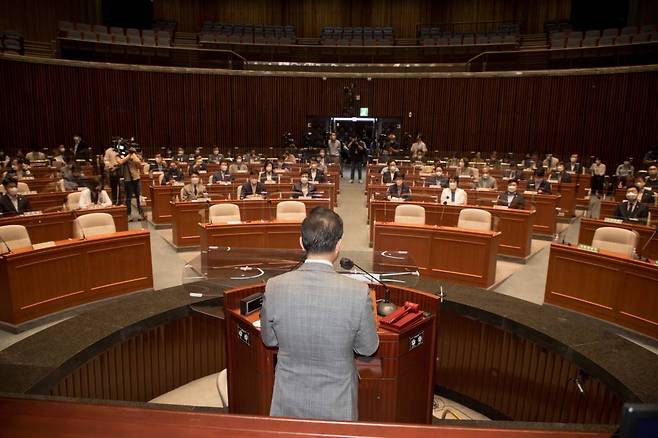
(324, 160)
(198, 166)
(311, 381)
(511, 198)
(389, 173)
(281, 166)
(438, 178)
(173, 174)
(560, 174)
(453, 195)
(644, 194)
(539, 184)
(632, 209)
(268, 176)
(238, 166)
(181, 157)
(216, 157)
(253, 188)
(222, 175)
(652, 178)
(158, 164)
(399, 190)
(303, 188)
(316, 175)
(514, 172)
(194, 190)
(73, 179)
(11, 202)
(486, 181)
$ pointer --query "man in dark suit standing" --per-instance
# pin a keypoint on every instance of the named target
(318, 319)
(573, 165)
(511, 198)
(11, 202)
(253, 187)
(80, 149)
(632, 209)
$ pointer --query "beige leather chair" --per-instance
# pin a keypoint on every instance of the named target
(72, 201)
(159, 176)
(291, 211)
(617, 240)
(474, 219)
(410, 214)
(22, 187)
(146, 167)
(14, 236)
(92, 224)
(222, 213)
(238, 191)
(208, 391)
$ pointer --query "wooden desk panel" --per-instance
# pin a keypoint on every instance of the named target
(44, 201)
(515, 225)
(59, 225)
(567, 201)
(546, 217)
(161, 197)
(459, 255)
(589, 226)
(74, 272)
(187, 215)
(608, 210)
(603, 285)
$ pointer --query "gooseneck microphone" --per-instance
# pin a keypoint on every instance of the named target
(443, 210)
(385, 306)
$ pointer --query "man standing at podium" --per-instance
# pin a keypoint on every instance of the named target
(318, 319)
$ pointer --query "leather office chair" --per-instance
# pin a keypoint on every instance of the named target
(72, 201)
(14, 236)
(617, 240)
(291, 211)
(93, 224)
(222, 213)
(22, 188)
(146, 167)
(410, 214)
(474, 219)
(159, 176)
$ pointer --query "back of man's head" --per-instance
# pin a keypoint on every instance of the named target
(321, 231)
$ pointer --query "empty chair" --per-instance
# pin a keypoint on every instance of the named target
(648, 28)
(222, 213)
(606, 41)
(558, 43)
(136, 40)
(481, 39)
(72, 201)
(474, 219)
(161, 43)
(116, 30)
(132, 32)
(611, 31)
(74, 34)
(120, 39)
(510, 39)
(12, 45)
(105, 38)
(83, 27)
(617, 240)
(573, 42)
(99, 28)
(23, 188)
(148, 41)
(455, 40)
(495, 39)
(641, 38)
(468, 40)
(410, 214)
(558, 35)
(589, 42)
(576, 34)
(163, 35)
(14, 236)
(148, 33)
(89, 36)
(291, 211)
(622, 39)
(629, 30)
(93, 224)
(592, 34)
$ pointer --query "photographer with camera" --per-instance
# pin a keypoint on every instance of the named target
(111, 164)
(358, 155)
(131, 166)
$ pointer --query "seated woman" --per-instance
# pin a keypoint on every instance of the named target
(94, 196)
(303, 188)
(399, 190)
(194, 190)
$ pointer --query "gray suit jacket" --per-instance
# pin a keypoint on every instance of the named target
(318, 319)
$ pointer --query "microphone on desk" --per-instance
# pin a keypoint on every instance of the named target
(655, 230)
(443, 210)
(6, 246)
(385, 306)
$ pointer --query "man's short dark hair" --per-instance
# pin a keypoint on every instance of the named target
(254, 173)
(321, 231)
(9, 180)
(540, 172)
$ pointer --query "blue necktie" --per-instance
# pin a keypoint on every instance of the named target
(453, 195)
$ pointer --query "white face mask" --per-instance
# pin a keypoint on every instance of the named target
(216, 152)
(268, 169)
(238, 161)
(511, 189)
(398, 182)
(195, 180)
(224, 168)
(453, 186)
(392, 169)
(560, 168)
(639, 185)
(13, 191)
(485, 175)
(439, 173)
(304, 180)
(631, 196)
(573, 159)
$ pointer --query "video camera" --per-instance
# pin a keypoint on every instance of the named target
(124, 147)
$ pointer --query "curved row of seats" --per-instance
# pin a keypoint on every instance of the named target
(357, 36)
(448, 39)
(247, 34)
(11, 42)
(607, 37)
(101, 33)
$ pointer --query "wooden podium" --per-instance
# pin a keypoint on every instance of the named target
(395, 385)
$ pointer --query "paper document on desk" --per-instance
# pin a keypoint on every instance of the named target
(257, 323)
(362, 277)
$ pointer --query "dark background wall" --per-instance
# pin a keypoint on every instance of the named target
(612, 115)
(37, 19)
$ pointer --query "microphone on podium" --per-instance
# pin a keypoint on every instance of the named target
(384, 307)
(443, 210)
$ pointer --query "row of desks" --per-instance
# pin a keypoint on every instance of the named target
(186, 216)
(545, 206)
(161, 197)
(58, 225)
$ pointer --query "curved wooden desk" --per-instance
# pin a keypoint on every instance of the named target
(456, 254)
(644, 247)
(187, 215)
(604, 285)
(73, 272)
